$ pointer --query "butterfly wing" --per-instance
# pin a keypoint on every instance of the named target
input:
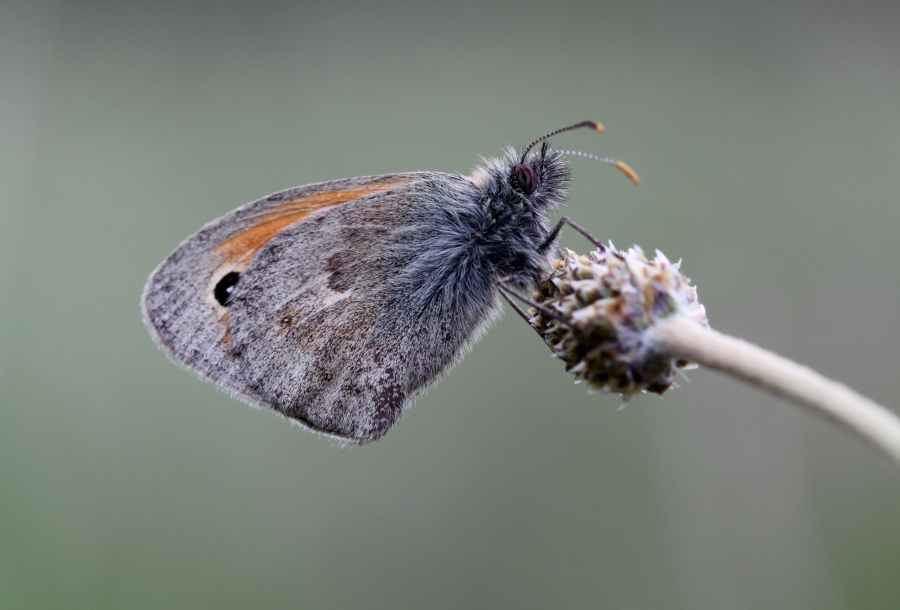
(339, 314)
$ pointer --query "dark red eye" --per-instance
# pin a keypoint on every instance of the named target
(526, 178)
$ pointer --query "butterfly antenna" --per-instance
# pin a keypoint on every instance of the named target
(621, 165)
(592, 124)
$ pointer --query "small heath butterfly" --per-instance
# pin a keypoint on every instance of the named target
(334, 304)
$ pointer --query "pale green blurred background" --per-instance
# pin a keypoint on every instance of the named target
(767, 135)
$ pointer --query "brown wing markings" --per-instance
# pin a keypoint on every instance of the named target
(237, 252)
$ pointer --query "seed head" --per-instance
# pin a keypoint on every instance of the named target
(596, 309)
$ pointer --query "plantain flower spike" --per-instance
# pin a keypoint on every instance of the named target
(595, 310)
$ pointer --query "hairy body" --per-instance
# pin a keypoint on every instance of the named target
(334, 304)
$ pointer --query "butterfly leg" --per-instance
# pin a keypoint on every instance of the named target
(555, 233)
(508, 293)
(515, 306)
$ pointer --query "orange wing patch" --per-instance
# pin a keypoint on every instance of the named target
(237, 252)
(243, 247)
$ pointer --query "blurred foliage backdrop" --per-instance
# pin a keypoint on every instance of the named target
(767, 135)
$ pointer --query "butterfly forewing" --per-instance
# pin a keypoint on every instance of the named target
(308, 301)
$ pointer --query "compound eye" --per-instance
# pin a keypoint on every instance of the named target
(526, 177)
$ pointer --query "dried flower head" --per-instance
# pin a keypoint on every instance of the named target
(595, 310)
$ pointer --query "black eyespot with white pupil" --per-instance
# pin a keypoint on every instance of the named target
(225, 287)
(526, 178)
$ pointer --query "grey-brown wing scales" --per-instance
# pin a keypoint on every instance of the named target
(317, 326)
(348, 332)
(179, 303)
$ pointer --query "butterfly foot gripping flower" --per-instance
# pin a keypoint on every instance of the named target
(596, 310)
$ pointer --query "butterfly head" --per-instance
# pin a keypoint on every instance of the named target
(517, 194)
(535, 181)
(537, 177)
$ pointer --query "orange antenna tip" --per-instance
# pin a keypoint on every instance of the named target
(592, 124)
(623, 167)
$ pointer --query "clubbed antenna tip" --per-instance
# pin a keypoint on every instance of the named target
(625, 169)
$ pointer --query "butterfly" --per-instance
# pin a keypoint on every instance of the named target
(334, 304)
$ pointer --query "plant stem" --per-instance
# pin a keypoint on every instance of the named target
(877, 425)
